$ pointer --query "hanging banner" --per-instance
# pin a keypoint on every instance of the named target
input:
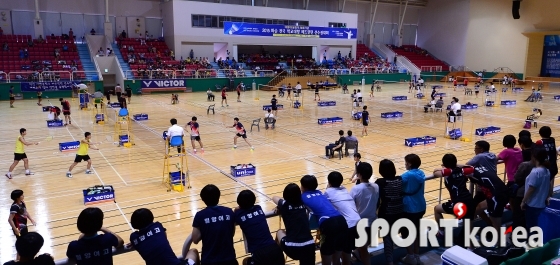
(551, 56)
(47, 86)
(272, 30)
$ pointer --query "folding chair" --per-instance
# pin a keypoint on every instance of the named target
(269, 120)
(350, 145)
(256, 123)
(211, 108)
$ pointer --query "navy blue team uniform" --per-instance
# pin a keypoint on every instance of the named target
(96, 250)
(260, 243)
(152, 244)
(217, 227)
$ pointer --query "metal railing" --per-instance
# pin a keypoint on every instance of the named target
(431, 68)
(4, 77)
(263, 73)
(371, 70)
(189, 73)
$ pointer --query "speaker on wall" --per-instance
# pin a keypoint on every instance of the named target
(515, 9)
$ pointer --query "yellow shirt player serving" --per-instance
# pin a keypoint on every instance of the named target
(19, 153)
(82, 155)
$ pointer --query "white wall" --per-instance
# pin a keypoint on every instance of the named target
(184, 32)
(116, 7)
(494, 38)
(442, 28)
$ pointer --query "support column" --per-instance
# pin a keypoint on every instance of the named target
(371, 22)
(108, 26)
(38, 22)
(400, 34)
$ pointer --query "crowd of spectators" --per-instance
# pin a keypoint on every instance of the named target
(530, 171)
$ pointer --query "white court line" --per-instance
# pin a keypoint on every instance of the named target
(99, 177)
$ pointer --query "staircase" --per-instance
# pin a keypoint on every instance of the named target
(216, 67)
(89, 66)
(124, 64)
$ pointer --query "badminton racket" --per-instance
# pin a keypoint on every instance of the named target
(47, 139)
(108, 139)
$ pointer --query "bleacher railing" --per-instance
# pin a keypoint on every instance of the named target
(180, 74)
(437, 68)
(263, 73)
(83, 76)
(228, 72)
(4, 77)
(371, 70)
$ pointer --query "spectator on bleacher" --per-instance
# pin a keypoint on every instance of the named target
(40, 39)
(191, 55)
(27, 248)
(21, 54)
(92, 31)
(252, 221)
(215, 226)
(511, 156)
(345, 205)
(296, 240)
(130, 48)
(123, 34)
(414, 203)
(331, 223)
(150, 240)
(366, 196)
(30, 43)
(456, 183)
(65, 47)
(100, 52)
(71, 34)
(172, 55)
(518, 215)
(92, 248)
(549, 144)
(538, 188)
(329, 149)
(1, 31)
(108, 52)
(5, 47)
(491, 190)
(390, 202)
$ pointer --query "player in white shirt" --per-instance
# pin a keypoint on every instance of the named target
(270, 115)
(175, 130)
(297, 89)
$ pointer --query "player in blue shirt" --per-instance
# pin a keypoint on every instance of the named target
(215, 226)
(251, 219)
(150, 240)
(93, 248)
(332, 224)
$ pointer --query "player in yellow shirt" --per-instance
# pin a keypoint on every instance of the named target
(82, 155)
(19, 153)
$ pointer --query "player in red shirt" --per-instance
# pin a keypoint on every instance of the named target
(238, 93)
(240, 133)
(465, 81)
(224, 97)
(454, 83)
(66, 111)
(195, 134)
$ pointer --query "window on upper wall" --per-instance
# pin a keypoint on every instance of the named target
(209, 21)
(337, 25)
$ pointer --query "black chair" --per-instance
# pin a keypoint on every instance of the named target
(211, 108)
(339, 150)
(256, 123)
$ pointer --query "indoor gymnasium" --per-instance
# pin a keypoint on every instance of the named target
(115, 107)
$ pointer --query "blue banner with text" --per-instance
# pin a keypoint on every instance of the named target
(551, 56)
(47, 86)
(273, 30)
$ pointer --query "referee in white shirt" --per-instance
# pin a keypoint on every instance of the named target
(175, 130)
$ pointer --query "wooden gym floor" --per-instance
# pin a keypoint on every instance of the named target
(281, 156)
